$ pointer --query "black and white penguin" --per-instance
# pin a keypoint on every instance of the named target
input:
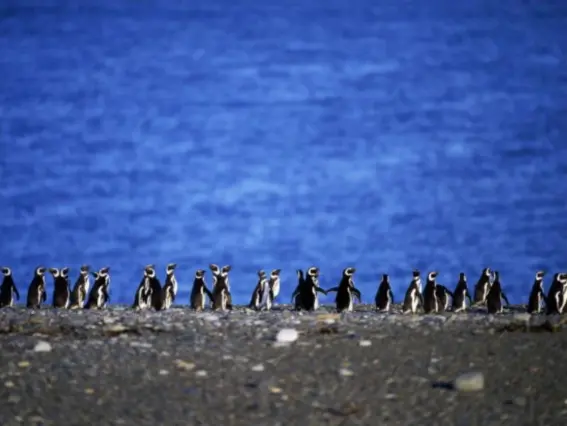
(8, 289)
(221, 289)
(430, 301)
(555, 299)
(221, 275)
(537, 296)
(444, 297)
(346, 291)
(461, 294)
(142, 298)
(413, 297)
(81, 288)
(309, 290)
(99, 295)
(384, 295)
(296, 295)
(275, 284)
(36, 290)
(61, 287)
(495, 296)
(170, 286)
(482, 287)
(261, 291)
(199, 291)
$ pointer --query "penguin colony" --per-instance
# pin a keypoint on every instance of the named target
(151, 294)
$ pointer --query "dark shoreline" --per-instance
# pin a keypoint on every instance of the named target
(179, 367)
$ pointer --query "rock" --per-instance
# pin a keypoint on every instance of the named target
(365, 343)
(184, 365)
(141, 345)
(42, 346)
(469, 382)
(345, 372)
(163, 372)
(23, 364)
(258, 368)
(520, 401)
(9, 384)
(201, 373)
(287, 335)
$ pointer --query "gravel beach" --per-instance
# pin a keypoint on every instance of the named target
(179, 367)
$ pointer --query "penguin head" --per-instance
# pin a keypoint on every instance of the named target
(275, 273)
(225, 270)
(313, 272)
(214, 269)
(562, 277)
(539, 275)
(104, 271)
(64, 272)
(150, 271)
(6, 271)
(200, 273)
(349, 272)
(40, 271)
(432, 275)
(385, 277)
(54, 272)
(85, 270)
(261, 273)
(486, 272)
(462, 276)
(170, 268)
(299, 273)
(416, 274)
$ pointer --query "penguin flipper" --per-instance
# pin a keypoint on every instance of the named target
(44, 296)
(209, 294)
(320, 290)
(332, 289)
(294, 294)
(420, 297)
(17, 293)
(391, 295)
(505, 299)
(357, 294)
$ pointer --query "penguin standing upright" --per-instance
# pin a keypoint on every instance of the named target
(430, 301)
(413, 297)
(156, 296)
(274, 284)
(8, 289)
(482, 288)
(309, 289)
(296, 295)
(384, 296)
(199, 290)
(170, 286)
(537, 296)
(143, 294)
(81, 288)
(495, 296)
(259, 290)
(99, 296)
(221, 275)
(221, 290)
(461, 294)
(555, 300)
(61, 290)
(36, 290)
(345, 291)
(444, 297)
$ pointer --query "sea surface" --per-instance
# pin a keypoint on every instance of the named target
(384, 135)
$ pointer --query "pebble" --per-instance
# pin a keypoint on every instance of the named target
(258, 368)
(117, 328)
(287, 335)
(469, 382)
(201, 373)
(520, 401)
(9, 384)
(42, 346)
(23, 364)
(141, 345)
(184, 365)
(163, 372)
(345, 372)
(275, 389)
(365, 343)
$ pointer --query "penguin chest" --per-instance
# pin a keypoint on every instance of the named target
(414, 301)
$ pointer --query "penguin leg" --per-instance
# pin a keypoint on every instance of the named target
(505, 299)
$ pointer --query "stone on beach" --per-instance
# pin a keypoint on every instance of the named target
(42, 346)
(287, 335)
(469, 382)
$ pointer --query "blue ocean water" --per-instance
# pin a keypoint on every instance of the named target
(384, 135)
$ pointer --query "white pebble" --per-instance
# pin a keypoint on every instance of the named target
(365, 343)
(345, 372)
(287, 335)
(259, 368)
(201, 373)
(42, 346)
(140, 345)
(469, 382)
(163, 372)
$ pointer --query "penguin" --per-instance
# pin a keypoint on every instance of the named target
(156, 295)
(199, 290)
(142, 298)
(259, 291)
(563, 281)
(61, 288)
(274, 284)
(309, 289)
(495, 296)
(461, 294)
(555, 300)
(99, 295)
(81, 288)
(36, 290)
(221, 290)
(482, 288)
(170, 286)
(444, 297)
(430, 301)
(218, 272)
(384, 296)
(537, 296)
(346, 291)
(8, 289)
(413, 297)
(296, 295)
